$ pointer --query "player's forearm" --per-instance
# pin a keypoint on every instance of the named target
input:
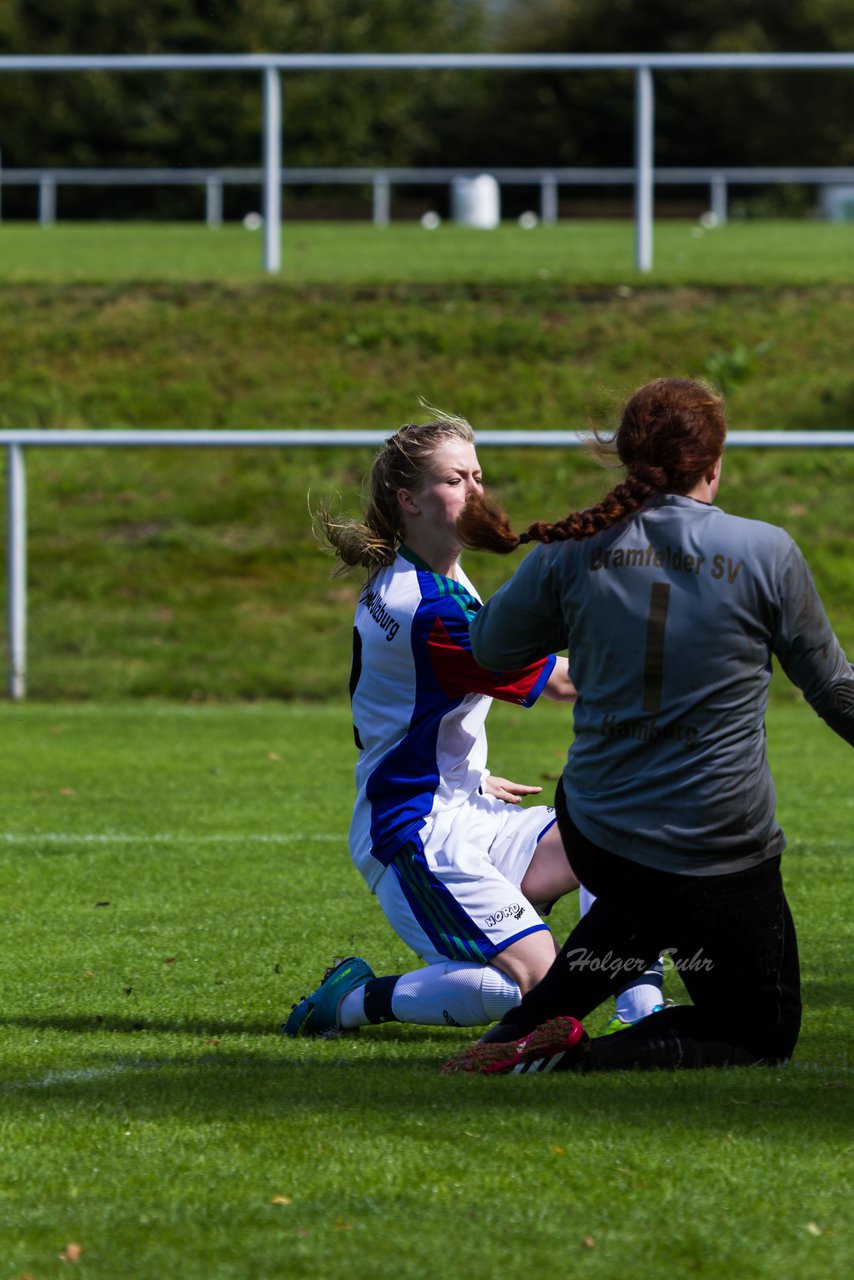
(810, 652)
(837, 709)
(559, 686)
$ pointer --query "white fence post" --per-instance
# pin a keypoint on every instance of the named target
(718, 193)
(644, 114)
(213, 200)
(272, 170)
(47, 201)
(16, 554)
(548, 199)
(382, 200)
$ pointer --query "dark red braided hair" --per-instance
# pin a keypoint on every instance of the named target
(671, 434)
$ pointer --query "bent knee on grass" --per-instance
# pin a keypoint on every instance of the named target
(527, 961)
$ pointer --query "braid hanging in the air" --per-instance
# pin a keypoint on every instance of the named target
(671, 433)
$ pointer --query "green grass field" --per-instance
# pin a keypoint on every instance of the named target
(175, 877)
(577, 251)
(173, 839)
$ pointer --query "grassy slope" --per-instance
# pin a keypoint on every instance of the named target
(196, 575)
(151, 1113)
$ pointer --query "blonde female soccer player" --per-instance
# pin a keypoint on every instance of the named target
(458, 866)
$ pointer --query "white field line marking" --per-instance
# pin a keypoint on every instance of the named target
(83, 1075)
(126, 837)
(837, 1068)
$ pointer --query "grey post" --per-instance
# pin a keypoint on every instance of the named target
(272, 169)
(271, 64)
(16, 554)
(16, 440)
(382, 200)
(213, 200)
(644, 115)
(718, 194)
(548, 199)
(47, 200)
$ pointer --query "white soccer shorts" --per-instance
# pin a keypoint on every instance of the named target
(456, 896)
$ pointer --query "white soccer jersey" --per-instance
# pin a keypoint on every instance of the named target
(419, 705)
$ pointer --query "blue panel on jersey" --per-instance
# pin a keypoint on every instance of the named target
(401, 789)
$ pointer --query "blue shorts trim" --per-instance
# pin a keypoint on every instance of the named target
(508, 942)
(546, 828)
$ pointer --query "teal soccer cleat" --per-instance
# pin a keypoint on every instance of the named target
(317, 1014)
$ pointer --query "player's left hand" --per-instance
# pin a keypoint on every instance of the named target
(511, 792)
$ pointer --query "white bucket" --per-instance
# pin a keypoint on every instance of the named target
(475, 202)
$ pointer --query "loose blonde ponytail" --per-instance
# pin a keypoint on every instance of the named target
(372, 542)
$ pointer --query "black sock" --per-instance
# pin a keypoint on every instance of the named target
(378, 993)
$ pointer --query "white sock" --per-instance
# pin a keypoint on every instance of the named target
(454, 994)
(351, 1010)
(585, 899)
(639, 999)
(446, 994)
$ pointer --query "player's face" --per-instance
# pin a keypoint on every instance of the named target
(453, 476)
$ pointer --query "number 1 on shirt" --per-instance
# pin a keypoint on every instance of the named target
(653, 669)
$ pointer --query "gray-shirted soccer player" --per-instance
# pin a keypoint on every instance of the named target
(671, 610)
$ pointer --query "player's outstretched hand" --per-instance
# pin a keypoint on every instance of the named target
(512, 792)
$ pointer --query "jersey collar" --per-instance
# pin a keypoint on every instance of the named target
(677, 500)
(414, 559)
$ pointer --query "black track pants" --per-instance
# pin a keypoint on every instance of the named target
(731, 937)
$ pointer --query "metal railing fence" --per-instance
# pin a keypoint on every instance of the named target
(273, 65)
(17, 441)
(382, 180)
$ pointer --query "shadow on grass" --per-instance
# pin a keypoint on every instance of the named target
(87, 1024)
(388, 1083)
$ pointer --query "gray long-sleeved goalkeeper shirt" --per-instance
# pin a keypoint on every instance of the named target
(671, 619)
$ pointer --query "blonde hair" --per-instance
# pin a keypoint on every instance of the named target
(402, 463)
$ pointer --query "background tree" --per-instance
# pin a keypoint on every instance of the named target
(708, 118)
(384, 118)
(187, 119)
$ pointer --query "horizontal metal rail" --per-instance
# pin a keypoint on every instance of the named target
(17, 441)
(273, 65)
(719, 180)
(326, 437)
(326, 175)
(428, 61)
